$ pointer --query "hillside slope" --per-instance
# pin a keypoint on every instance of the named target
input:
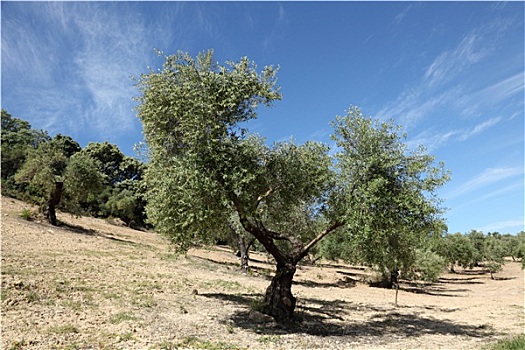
(89, 284)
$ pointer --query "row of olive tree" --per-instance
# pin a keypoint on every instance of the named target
(52, 172)
(206, 167)
(477, 249)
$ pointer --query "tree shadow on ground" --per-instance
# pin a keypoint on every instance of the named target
(431, 289)
(339, 266)
(434, 289)
(474, 272)
(90, 232)
(496, 278)
(352, 274)
(468, 280)
(256, 269)
(267, 262)
(346, 282)
(77, 229)
(333, 318)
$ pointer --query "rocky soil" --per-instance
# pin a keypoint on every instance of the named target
(92, 284)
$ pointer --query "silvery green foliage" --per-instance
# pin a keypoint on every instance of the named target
(82, 180)
(385, 193)
(429, 265)
(378, 197)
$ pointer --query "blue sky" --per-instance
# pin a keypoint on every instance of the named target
(452, 73)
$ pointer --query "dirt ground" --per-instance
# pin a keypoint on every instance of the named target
(91, 284)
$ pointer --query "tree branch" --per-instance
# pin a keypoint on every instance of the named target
(320, 236)
(263, 196)
(260, 233)
(296, 242)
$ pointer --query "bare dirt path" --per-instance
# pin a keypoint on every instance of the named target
(89, 284)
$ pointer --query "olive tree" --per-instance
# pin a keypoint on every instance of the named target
(17, 139)
(54, 168)
(457, 249)
(205, 166)
(122, 195)
(385, 194)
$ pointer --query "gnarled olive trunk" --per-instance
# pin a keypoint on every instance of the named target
(278, 300)
(54, 200)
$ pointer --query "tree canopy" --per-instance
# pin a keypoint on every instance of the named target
(385, 194)
(16, 139)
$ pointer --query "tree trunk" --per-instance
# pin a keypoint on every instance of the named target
(452, 268)
(244, 251)
(279, 301)
(243, 247)
(54, 200)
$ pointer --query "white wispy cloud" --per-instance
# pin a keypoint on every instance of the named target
(449, 63)
(479, 128)
(474, 103)
(502, 226)
(282, 13)
(275, 30)
(401, 15)
(473, 47)
(433, 93)
(431, 139)
(105, 63)
(415, 104)
(516, 186)
(80, 67)
(505, 88)
(487, 177)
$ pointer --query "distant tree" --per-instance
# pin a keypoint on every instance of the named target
(456, 249)
(123, 192)
(477, 239)
(240, 240)
(66, 145)
(512, 244)
(17, 138)
(494, 253)
(122, 204)
(204, 166)
(42, 174)
(46, 170)
(109, 157)
(520, 248)
(11, 124)
(82, 181)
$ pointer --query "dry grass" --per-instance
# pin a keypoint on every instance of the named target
(89, 284)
